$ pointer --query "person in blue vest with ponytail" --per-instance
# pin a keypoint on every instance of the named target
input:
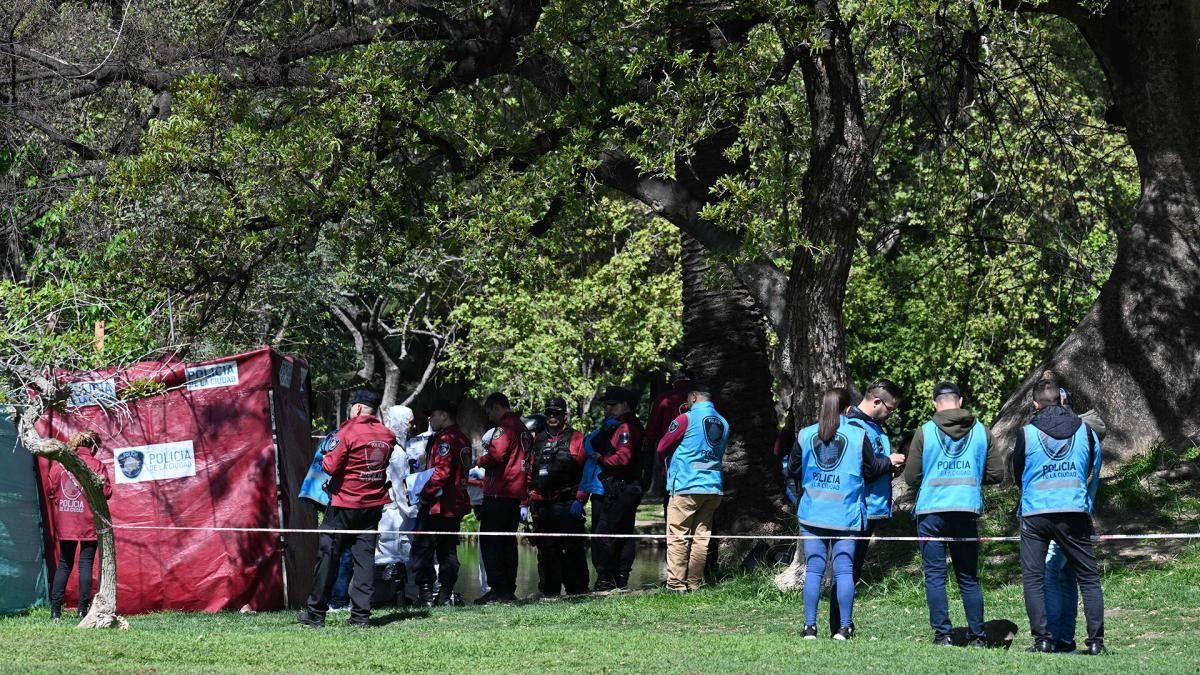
(1055, 458)
(832, 464)
(880, 399)
(950, 459)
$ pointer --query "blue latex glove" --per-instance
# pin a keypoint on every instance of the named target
(576, 508)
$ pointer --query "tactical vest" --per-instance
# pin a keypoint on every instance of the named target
(1056, 473)
(879, 491)
(554, 469)
(832, 480)
(952, 470)
(695, 466)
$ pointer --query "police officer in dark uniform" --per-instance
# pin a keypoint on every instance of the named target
(356, 461)
(1055, 458)
(949, 461)
(555, 467)
(444, 503)
(615, 449)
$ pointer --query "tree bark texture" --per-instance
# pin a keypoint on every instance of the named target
(725, 344)
(1135, 356)
(834, 188)
(103, 610)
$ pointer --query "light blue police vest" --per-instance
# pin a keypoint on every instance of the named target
(832, 479)
(952, 470)
(696, 465)
(1056, 472)
(879, 491)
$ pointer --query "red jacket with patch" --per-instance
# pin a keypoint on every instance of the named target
(505, 459)
(665, 409)
(449, 455)
(357, 463)
(625, 441)
(73, 520)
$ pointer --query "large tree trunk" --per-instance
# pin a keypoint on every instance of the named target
(103, 610)
(834, 193)
(1134, 357)
(725, 343)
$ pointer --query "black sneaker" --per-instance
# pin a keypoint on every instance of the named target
(359, 623)
(1065, 646)
(977, 642)
(1096, 648)
(483, 599)
(1041, 645)
(942, 641)
(844, 633)
(810, 632)
(306, 618)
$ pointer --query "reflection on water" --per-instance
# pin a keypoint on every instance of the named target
(649, 568)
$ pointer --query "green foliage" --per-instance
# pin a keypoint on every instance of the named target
(601, 309)
(986, 247)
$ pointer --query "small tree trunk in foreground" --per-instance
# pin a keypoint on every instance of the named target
(103, 611)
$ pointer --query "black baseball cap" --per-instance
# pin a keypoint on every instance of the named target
(443, 405)
(368, 397)
(618, 395)
(947, 389)
(556, 403)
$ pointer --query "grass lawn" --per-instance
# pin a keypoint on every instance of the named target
(742, 625)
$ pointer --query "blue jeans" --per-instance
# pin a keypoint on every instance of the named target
(1062, 596)
(965, 556)
(816, 552)
(340, 597)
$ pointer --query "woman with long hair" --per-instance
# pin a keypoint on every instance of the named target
(74, 527)
(830, 465)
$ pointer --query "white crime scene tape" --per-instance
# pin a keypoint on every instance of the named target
(534, 535)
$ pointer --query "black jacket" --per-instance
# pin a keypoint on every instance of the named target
(1056, 422)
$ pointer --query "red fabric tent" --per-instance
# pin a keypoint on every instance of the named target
(226, 445)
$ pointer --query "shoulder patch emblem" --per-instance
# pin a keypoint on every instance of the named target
(623, 438)
(443, 449)
(672, 426)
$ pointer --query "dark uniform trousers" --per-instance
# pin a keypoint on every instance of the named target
(1073, 533)
(499, 554)
(615, 512)
(362, 550)
(562, 562)
(442, 547)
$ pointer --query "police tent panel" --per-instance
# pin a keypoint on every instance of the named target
(200, 467)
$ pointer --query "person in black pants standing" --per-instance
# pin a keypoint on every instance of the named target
(74, 524)
(504, 490)
(356, 461)
(444, 502)
(555, 467)
(615, 450)
(1055, 458)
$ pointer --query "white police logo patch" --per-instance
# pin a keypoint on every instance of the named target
(443, 449)
(673, 426)
(623, 438)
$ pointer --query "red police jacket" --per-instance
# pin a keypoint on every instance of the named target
(73, 520)
(505, 459)
(357, 461)
(449, 455)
